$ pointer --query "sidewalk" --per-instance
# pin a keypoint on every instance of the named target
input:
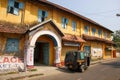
(102, 61)
(39, 71)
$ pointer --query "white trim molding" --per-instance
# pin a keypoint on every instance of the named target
(45, 32)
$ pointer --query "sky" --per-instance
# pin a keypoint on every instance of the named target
(101, 11)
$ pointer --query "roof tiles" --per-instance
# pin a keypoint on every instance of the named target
(72, 38)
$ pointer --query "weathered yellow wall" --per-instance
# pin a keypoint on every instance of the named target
(66, 49)
(108, 53)
(4, 16)
(96, 45)
(105, 54)
(108, 36)
(51, 50)
(57, 16)
(88, 43)
(85, 23)
(50, 28)
(30, 14)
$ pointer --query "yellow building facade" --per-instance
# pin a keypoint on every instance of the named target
(41, 32)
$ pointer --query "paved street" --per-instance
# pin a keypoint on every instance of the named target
(103, 71)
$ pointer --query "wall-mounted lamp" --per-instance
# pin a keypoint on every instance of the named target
(117, 14)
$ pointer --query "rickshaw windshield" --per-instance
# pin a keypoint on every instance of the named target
(82, 55)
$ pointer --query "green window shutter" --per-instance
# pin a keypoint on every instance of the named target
(39, 19)
(39, 15)
(46, 14)
(40, 12)
(11, 3)
(93, 31)
(63, 20)
(86, 28)
(8, 9)
(66, 21)
(73, 25)
(105, 35)
(99, 32)
(16, 11)
(21, 5)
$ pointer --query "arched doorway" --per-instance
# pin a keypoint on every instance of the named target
(44, 52)
(34, 39)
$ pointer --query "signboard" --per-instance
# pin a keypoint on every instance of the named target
(10, 64)
(71, 44)
(97, 52)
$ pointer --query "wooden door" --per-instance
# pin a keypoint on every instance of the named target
(46, 53)
(87, 49)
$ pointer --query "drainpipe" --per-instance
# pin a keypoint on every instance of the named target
(23, 13)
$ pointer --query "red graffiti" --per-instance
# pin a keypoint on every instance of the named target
(30, 57)
(10, 60)
(6, 60)
(13, 60)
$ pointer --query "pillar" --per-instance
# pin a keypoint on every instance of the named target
(81, 46)
(30, 57)
(103, 51)
(57, 61)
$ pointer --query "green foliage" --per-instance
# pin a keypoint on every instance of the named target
(116, 39)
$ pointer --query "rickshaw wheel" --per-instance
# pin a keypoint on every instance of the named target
(82, 68)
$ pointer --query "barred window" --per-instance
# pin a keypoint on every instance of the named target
(12, 45)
